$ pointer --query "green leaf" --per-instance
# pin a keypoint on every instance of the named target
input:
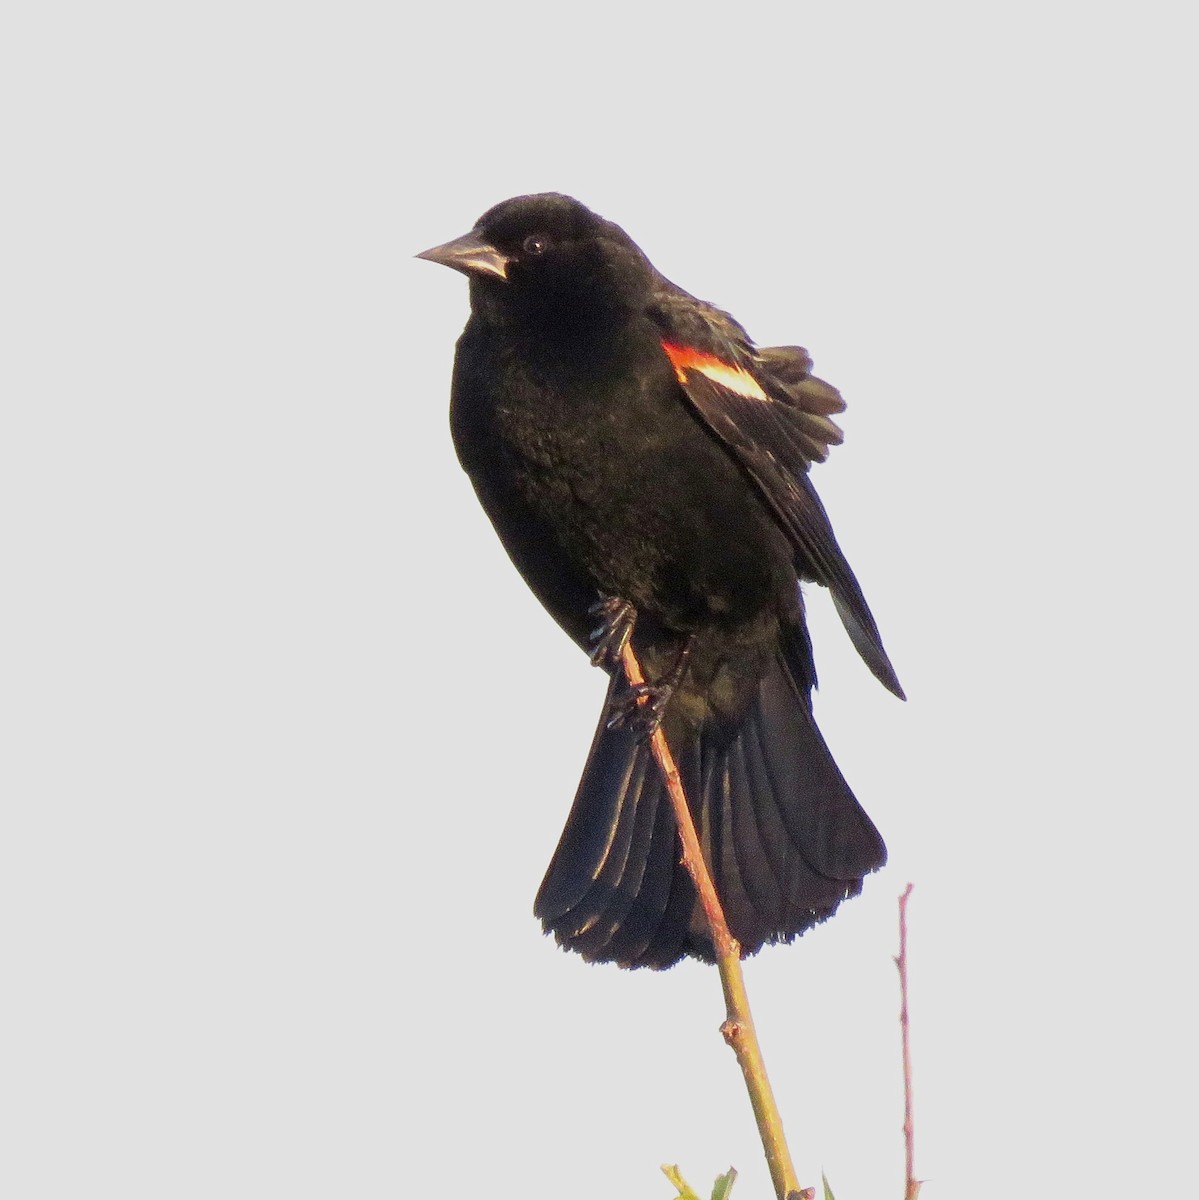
(675, 1176)
(724, 1184)
(828, 1191)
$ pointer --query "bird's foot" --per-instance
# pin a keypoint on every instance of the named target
(609, 638)
(640, 708)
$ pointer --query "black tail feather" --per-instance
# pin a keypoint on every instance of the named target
(784, 837)
(605, 907)
(608, 795)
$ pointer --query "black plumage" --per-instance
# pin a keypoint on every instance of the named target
(642, 460)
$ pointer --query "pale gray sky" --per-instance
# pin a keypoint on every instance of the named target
(287, 744)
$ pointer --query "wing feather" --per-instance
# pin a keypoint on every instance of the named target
(773, 415)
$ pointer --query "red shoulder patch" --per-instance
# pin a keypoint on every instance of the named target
(729, 375)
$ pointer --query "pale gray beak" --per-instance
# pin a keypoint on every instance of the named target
(471, 255)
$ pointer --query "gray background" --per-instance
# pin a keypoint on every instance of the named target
(286, 743)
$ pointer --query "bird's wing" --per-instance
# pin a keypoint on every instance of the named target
(804, 405)
(773, 415)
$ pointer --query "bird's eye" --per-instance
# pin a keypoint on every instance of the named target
(536, 244)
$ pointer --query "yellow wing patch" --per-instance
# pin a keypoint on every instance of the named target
(737, 379)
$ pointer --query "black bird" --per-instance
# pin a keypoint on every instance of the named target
(646, 467)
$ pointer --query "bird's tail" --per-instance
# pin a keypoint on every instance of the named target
(783, 835)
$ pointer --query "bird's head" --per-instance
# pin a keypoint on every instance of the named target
(548, 260)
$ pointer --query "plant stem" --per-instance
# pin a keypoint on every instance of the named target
(911, 1183)
(738, 1027)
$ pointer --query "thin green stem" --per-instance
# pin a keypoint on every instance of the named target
(738, 1027)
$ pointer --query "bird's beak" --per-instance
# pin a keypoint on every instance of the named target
(471, 255)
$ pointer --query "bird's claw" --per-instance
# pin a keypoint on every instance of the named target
(639, 708)
(609, 638)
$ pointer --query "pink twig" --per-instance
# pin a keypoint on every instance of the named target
(912, 1184)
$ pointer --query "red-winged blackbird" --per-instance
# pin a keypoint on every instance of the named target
(646, 467)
